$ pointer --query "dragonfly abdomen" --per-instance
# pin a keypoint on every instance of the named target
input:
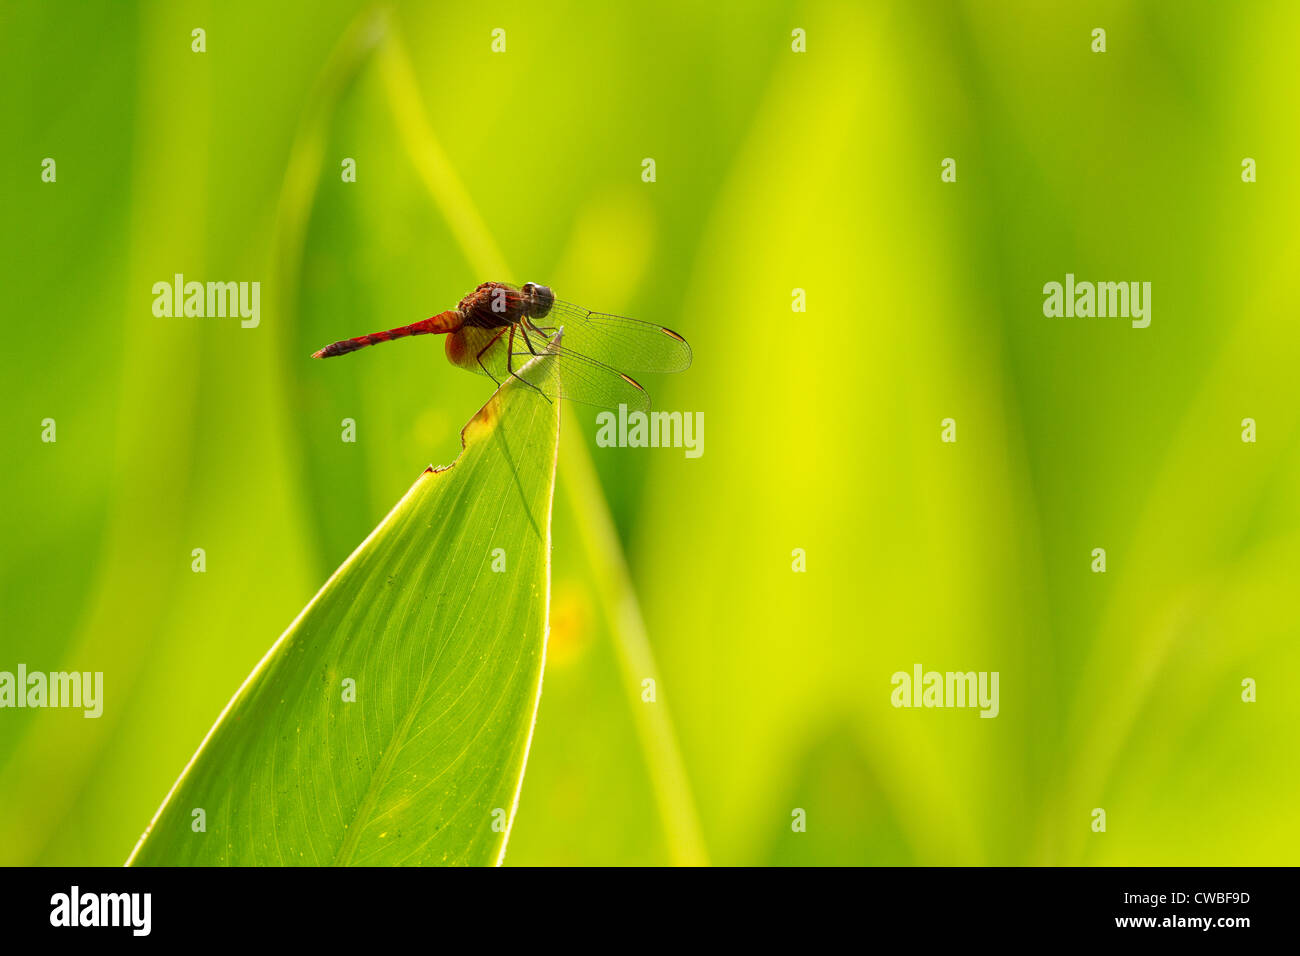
(448, 321)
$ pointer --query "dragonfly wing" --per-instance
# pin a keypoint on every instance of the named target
(551, 368)
(559, 372)
(482, 351)
(617, 341)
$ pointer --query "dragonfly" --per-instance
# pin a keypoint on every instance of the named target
(503, 331)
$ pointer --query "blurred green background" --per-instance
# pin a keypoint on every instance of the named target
(775, 170)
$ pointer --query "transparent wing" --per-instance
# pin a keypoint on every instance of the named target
(616, 341)
(576, 378)
(558, 372)
(482, 351)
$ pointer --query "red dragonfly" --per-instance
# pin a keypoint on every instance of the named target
(498, 330)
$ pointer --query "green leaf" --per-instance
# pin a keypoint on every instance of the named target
(446, 654)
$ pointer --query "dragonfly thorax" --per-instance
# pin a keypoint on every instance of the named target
(496, 305)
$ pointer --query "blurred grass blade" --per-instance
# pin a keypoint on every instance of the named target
(446, 652)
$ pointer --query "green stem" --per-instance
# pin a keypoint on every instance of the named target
(623, 613)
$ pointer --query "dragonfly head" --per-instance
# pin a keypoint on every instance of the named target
(540, 299)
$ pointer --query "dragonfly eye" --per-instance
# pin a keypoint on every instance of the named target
(541, 299)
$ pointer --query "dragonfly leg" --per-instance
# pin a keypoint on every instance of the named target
(527, 341)
(479, 358)
(510, 360)
(545, 331)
